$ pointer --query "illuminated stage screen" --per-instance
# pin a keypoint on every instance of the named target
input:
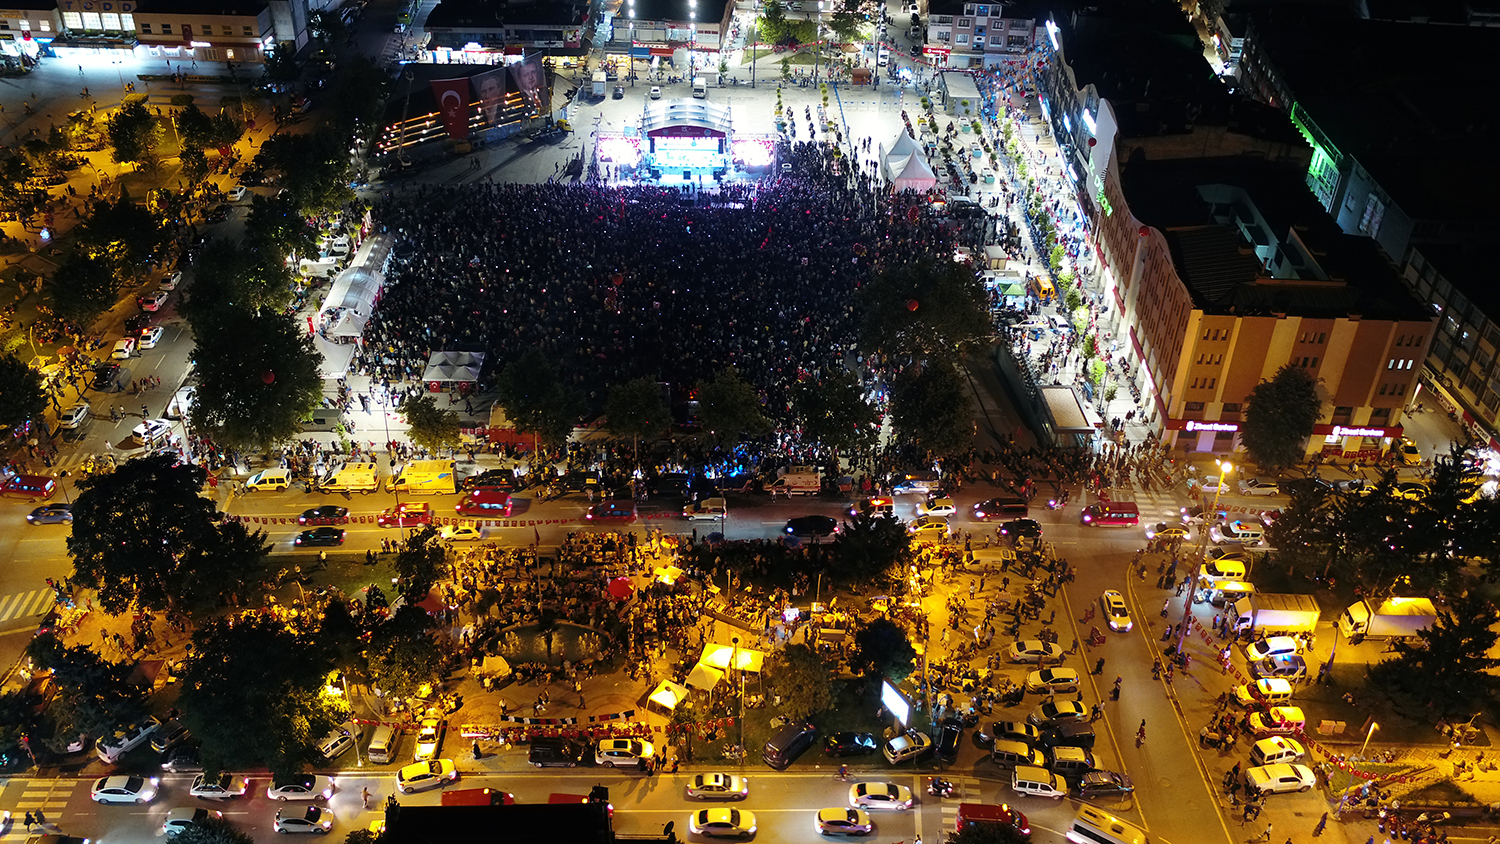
(688, 144)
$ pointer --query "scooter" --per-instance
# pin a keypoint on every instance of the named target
(939, 787)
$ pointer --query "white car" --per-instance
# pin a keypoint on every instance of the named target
(910, 745)
(151, 431)
(937, 507)
(421, 776)
(429, 737)
(722, 823)
(124, 790)
(111, 747)
(461, 533)
(221, 787)
(1260, 486)
(930, 527)
(153, 301)
(879, 795)
(718, 787)
(1211, 484)
(612, 752)
(237, 193)
(74, 415)
(187, 817)
(837, 820)
(1278, 779)
(1274, 646)
(170, 282)
(151, 336)
(301, 787)
(1034, 651)
(655, 92)
(1115, 611)
(124, 348)
(1052, 681)
(315, 819)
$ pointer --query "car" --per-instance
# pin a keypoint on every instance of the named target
(1009, 730)
(502, 479)
(51, 514)
(1164, 530)
(612, 752)
(1200, 513)
(136, 323)
(1286, 666)
(320, 536)
(1410, 491)
(187, 817)
(810, 526)
(849, 744)
(722, 823)
(420, 776)
(300, 787)
(909, 745)
(840, 820)
(655, 92)
(937, 507)
(1052, 681)
(183, 760)
(718, 787)
(1104, 784)
(429, 738)
(1209, 484)
(1262, 692)
(1033, 651)
(1026, 528)
(111, 746)
(124, 789)
(153, 301)
(1279, 721)
(314, 819)
(338, 741)
(151, 431)
(151, 336)
(461, 533)
(880, 795)
(950, 733)
(237, 193)
(217, 214)
(1260, 486)
(169, 735)
(405, 515)
(929, 527)
(74, 415)
(221, 787)
(105, 375)
(1279, 779)
(1054, 711)
(171, 280)
(1115, 611)
(123, 348)
(611, 511)
(1269, 647)
(1407, 451)
(875, 506)
(708, 510)
(1224, 568)
(328, 514)
(996, 508)
(619, 92)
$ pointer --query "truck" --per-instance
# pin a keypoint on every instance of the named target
(601, 82)
(478, 797)
(1268, 611)
(797, 480)
(352, 477)
(425, 477)
(1394, 618)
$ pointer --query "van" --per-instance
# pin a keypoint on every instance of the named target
(1071, 762)
(1008, 753)
(555, 752)
(1238, 532)
(1272, 691)
(338, 741)
(1092, 826)
(1229, 591)
(708, 509)
(1074, 734)
(700, 88)
(802, 480)
(923, 482)
(383, 744)
(29, 487)
(786, 744)
(269, 480)
(1032, 781)
(429, 477)
(486, 504)
(1111, 514)
(1275, 750)
(352, 477)
(322, 419)
(990, 813)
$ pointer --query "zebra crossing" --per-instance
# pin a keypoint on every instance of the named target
(967, 792)
(19, 608)
(48, 794)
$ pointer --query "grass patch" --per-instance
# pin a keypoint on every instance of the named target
(344, 570)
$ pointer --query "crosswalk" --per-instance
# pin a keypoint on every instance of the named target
(48, 794)
(19, 607)
(967, 792)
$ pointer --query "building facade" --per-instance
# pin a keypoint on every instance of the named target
(978, 35)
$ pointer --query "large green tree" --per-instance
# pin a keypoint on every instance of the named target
(134, 132)
(834, 411)
(846, 21)
(357, 96)
(932, 405)
(870, 545)
(429, 426)
(127, 234)
(1449, 664)
(231, 279)
(928, 309)
(802, 680)
(536, 398)
(730, 409)
(95, 695)
(403, 655)
(883, 652)
(419, 563)
(1279, 417)
(276, 225)
(21, 396)
(314, 168)
(257, 379)
(252, 692)
(637, 410)
(144, 537)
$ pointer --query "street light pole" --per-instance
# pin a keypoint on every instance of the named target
(1225, 470)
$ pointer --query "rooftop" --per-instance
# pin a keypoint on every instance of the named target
(671, 10)
(486, 14)
(246, 8)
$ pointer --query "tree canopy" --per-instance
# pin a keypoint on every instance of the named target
(536, 398)
(882, 651)
(275, 225)
(636, 409)
(314, 167)
(928, 309)
(143, 537)
(257, 380)
(126, 234)
(1279, 417)
(95, 695)
(869, 545)
(833, 410)
(230, 280)
(419, 562)
(429, 426)
(1449, 665)
(21, 396)
(730, 409)
(802, 680)
(134, 132)
(932, 406)
(402, 654)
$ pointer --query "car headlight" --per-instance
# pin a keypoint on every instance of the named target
(156, 781)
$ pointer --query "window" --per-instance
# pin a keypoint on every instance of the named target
(1315, 362)
(46, 25)
(962, 39)
(166, 29)
(5, 24)
(127, 22)
(1193, 407)
(72, 20)
(145, 29)
(91, 21)
(1343, 411)
(1471, 383)
(1231, 407)
(111, 21)
(249, 32)
(979, 41)
(229, 54)
(1381, 413)
(965, 23)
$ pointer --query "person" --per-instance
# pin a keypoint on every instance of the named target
(1140, 734)
(843, 772)
(364, 797)
(1099, 666)
(491, 86)
(29, 821)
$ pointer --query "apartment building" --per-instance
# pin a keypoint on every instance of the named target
(978, 35)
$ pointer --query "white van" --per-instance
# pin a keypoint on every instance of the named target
(269, 480)
(1031, 781)
(383, 744)
(1092, 826)
(708, 509)
(700, 88)
(1275, 750)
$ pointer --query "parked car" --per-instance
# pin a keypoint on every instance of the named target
(74, 415)
(314, 819)
(910, 745)
(111, 746)
(1096, 784)
(169, 735)
(151, 336)
(429, 739)
(1010, 730)
(950, 734)
(622, 752)
(123, 348)
(1054, 711)
(849, 744)
(1052, 681)
(152, 301)
(1034, 651)
(1279, 778)
(328, 514)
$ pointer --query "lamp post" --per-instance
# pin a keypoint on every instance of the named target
(1225, 470)
(735, 662)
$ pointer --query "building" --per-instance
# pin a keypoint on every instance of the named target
(27, 27)
(664, 27)
(191, 30)
(978, 35)
(476, 32)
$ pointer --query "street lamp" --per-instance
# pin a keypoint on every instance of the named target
(1225, 470)
(740, 745)
(1374, 725)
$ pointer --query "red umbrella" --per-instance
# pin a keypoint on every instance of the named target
(621, 588)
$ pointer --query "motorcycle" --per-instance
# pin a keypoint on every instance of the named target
(939, 787)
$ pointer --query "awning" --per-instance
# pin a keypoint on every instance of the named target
(704, 677)
(668, 694)
(719, 656)
(667, 574)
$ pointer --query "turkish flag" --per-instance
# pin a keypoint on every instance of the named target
(453, 104)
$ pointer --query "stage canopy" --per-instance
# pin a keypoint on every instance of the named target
(704, 677)
(668, 117)
(914, 175)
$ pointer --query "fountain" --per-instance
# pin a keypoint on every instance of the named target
(551, 645)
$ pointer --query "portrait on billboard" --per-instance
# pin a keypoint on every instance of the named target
(489, 87)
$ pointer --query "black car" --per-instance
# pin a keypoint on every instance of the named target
(811, 526)
(555, 752)
(1028, 528)
(320, 536)
(619, 92)
(490, 479)
(849, 744)
(670, 484)
(105, 375)
(184, 759)
(999, 508)
(217, 214)
(950, 732)
(328, 514)
(1104, 784)
(136, 323)
(1012, 730)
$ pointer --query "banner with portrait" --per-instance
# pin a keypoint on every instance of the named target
(490, 88)
(531, 80)
(452, 97)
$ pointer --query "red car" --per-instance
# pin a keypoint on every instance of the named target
(328, 514)
(405, 515)
(611, 511)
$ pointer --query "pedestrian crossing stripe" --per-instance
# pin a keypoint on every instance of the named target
(25, 604)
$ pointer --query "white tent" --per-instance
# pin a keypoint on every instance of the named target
(900, 151)
(914, 175)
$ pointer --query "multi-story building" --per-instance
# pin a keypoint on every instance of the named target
(27, 27)
(662, 27)
(978, 35)
(180, 31)
(477, 32)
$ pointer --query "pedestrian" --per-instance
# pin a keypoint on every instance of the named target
(1099, 666)
(41, 820)
(29, 821)
(364, 797)
(1267, 834)
(1322, 824)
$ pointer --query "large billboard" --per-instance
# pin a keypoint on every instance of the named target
(531, 80)
(453, 104)
(490, 88)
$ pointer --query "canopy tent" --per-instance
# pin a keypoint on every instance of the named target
(493, 667)
(350, 324)
(914, 175)
(704, 677)
(667, 695)
(719, 656)
(900, 151)
(667, 574)
(446, 367)
(354, 289)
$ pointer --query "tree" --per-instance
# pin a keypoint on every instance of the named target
(730, 409)
(931, 405)
(213, 829)
(122, 232)
(314, 167)
(21, 396)
(231, 280)
(1449, 664)
(419, 563)
(882, 651)
(403, 655)
(536, 398)
(95, 696)
(1279, 417)
(194, 165)
(18, 719)
(802, 681)
(429, 426)
(928, 309)
(833, 410)
(989, 833)
(195, 128)
(772, 23)
(281, 64)
(144, 537)
(869, 545)
(636, 409)
(846, 21)
(357, 96)
(134, 132)
(252, 692)
(257, 379)
(276, 225)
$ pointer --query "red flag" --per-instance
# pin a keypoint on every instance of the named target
(453, 105)
(537, 534)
